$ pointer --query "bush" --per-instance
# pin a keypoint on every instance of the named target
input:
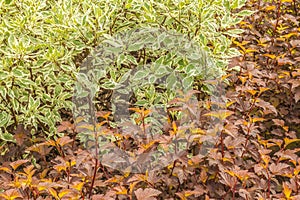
(44, 43)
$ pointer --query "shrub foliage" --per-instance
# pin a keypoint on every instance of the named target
(256, 155)
(44, 43)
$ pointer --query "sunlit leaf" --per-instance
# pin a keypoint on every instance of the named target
(286, 191)
(220, 114)
(11, 194)
(270, 56)
(288, 141)
(78, 186)
(269, 8)
(63, 192)
(258, 119)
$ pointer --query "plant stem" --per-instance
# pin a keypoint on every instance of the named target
(222, 146)
(94, 177)
(278, 15)
(269, 184)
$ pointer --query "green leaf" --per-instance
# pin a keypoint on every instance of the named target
(235, 68)
(151, 79)
(46, 98)
(234, 32)
(17, 73)
(99, 73)
(162, 70)
(190, 70)
(113, 43)
(245, 13)
(233, 52)
(124, 77)
(141, 102)
(237, 4)
(12, 42)
(140, 75)
(4, 75)
(58, 90)
(2, 91)
(131, 59)
(6, 136)
(187, 82)
(4, 119)
(171, 81)
(67, 68)
(110, 85)
(135, 46)
(8, 1)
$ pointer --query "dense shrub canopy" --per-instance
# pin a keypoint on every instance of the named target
(46, 51)
(44, 43)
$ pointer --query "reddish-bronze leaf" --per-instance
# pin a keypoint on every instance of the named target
(146, 194)
(11, 194)
(17, 163)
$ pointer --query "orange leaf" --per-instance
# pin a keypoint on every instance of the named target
(50, 143)
(251, 50)
(266, 159)
(78, 186)
(268, 8)
(231, 173)
(44, 173)
(220, 114)
(103, 114)
(258, 120)
(225, 76)
(6, 169)
(287, 36)
(115, 179)
(29, 169)
(132, 185)
(84, 126)
(297, 170)
(127, 172)
(60, 167)
(11, 194)
(270, 55)
(252, 92)
(53, 193)
(228, 104)
(17, 163)
(263, 89)
(120, 190)
(242, 79)
(174, 126)
(286, 128)
(286, 191)
(288, 141)
(198, 131)
(63, 193)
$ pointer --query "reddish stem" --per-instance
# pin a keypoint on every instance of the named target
(222, 146)
(269, 184)
(278, 15)
(94, 177)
